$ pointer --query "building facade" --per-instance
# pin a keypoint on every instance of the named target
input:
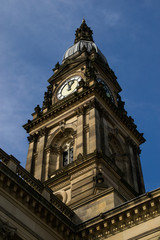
(83, 177)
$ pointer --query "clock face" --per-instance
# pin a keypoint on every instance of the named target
(106, 88)
(68, 87)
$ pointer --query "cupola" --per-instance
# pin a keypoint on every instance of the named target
(83, 39)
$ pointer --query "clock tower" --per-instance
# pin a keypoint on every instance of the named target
(82, 143)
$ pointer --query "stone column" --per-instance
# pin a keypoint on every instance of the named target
(52, 160)
(74, 141)
(48, 152)
(30, 157)
(141, 181)
(134, 169)
(92, 130)
(128, 142)
(40, 165)
(105, 133)
(79, 140)
(86, 139)
(99, 127)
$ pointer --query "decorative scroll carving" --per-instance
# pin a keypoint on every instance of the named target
(52, 149)
(62, 125)
(80, 111)
(32, 138)
(42, 132)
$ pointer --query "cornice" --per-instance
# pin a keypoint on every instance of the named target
(121, 218)
(52, 212)
(6, 231)
(81, 164)
(32, 195)
(63, 172)
(34, 137)
(72, 100)
(69, 65)
(58, 108)
(87, 58)
(108, 72)
(127, 121)
(10, 168)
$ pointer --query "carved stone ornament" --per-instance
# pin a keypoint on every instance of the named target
(62, 125)
(120, 103)
(52, 149)
(6, 232)
(32, 138)
(92, 104)
(43, 132)
(57, 66)
(99, 177)
(37, 109)
(47, 98)
(83, 33)
(90, 72)
(114, 131)
(79, 111)
(80, 157)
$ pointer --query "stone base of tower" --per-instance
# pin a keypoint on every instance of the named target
(90, 186)
(97, 204)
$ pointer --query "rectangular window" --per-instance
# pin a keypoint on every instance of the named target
(65, 158)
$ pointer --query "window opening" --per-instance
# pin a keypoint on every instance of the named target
(65, 158)
(67, 154)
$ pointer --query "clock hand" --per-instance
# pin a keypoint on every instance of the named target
(69, 84)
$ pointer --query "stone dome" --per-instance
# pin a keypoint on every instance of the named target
(78, 47)
(83, 38)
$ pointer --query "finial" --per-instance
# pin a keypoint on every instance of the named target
(83, 32)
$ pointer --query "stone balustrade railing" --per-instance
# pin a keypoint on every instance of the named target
(14, 165)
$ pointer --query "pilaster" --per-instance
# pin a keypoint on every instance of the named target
(92, 130)
(31, 150)
(141, 181)
(40, 164)
(80, 125)
(105, 141)
(134, 169)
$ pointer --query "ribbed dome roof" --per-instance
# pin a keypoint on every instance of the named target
(83, 38)
(89, 45)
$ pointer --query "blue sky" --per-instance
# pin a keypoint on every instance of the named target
(34, 35)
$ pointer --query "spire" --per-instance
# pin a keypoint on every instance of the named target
(83, 33)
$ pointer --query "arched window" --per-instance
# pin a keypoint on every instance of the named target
(67, 153)
(116, 152)
(61, 150)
